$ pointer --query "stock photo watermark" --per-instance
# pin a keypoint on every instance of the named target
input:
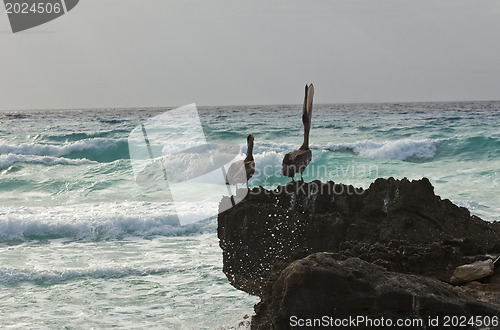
(26, 14)
(362, 321)
(323, 171)
(170, 152)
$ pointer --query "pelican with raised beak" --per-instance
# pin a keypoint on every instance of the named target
(297, 160)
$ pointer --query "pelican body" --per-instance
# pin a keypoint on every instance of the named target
(242, 170)
(296, 161)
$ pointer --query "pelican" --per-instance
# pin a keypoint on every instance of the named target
(242, 170)
(297, 160)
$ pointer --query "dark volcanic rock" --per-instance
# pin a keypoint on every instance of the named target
(319, 285)
(400, 225)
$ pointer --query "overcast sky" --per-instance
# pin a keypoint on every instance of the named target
(124, 53)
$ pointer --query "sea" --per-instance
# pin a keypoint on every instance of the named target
(84, 245)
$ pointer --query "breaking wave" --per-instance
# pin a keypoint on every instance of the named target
(8, 160)
(99, 149)
(97, 222)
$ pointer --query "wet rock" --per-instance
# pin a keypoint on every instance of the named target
(488, 290)
(321, 285)
(270, 229)
(313, 249)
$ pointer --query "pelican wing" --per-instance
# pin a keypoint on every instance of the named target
(295, 162)
(249, 168)
(236, 173)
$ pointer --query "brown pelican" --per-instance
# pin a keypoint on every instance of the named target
(297, 160)
(242, 170)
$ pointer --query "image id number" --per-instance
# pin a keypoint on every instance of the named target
(34, 8)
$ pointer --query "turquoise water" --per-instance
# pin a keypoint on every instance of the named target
(82, 245)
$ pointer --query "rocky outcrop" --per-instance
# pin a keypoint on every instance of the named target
(398, 224)
(392, 245)
(320, 285)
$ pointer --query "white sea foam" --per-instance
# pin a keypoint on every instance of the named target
(265, 153)
(59, 150)
(100, 221)
(10, 159)
(267, 164)
(273, 146)
(176, 147)
(268, 158)
(398, 149)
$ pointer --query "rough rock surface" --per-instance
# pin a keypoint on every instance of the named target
(313, 248)
(398, 224)
(474, 271)
(320, 285)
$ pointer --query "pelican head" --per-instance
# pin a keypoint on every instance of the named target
(296, 161)
(307, 114)
(250, 139)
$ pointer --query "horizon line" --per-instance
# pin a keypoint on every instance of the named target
(241, 105)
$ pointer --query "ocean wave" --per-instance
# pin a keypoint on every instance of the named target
(268, 158)
(266, 146)
(97, 222)
(10, 159)
(98, 149)
(267, 164)
(10, 276)
(474, 147)
(400, 149)
(78, 136)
